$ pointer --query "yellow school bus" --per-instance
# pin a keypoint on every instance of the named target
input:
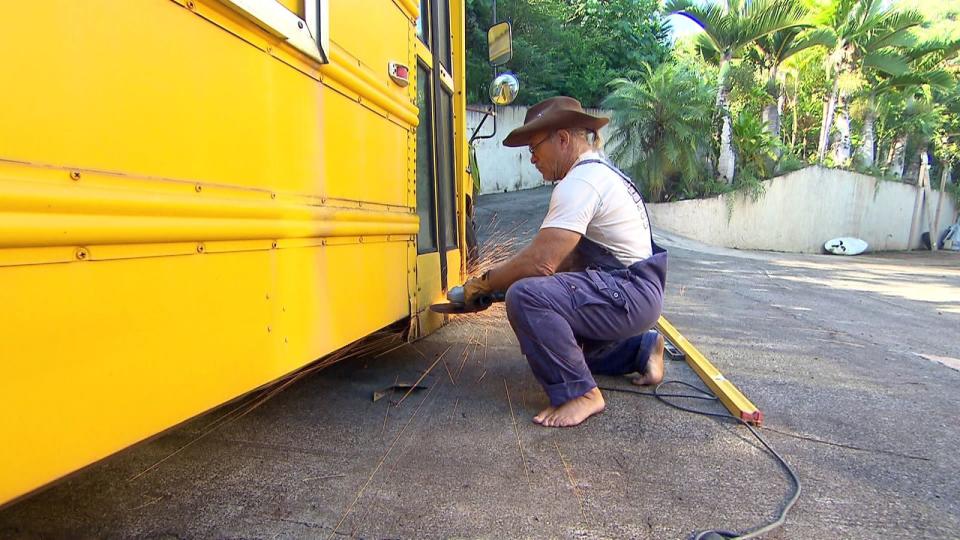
(201, 196)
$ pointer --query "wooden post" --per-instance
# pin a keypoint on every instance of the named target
(917, 209)
(927, 198)
(936, 219)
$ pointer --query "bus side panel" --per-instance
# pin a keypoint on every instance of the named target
(186, 213)
(101, 354)
(153, 89)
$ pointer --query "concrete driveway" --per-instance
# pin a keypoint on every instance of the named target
(854, 362)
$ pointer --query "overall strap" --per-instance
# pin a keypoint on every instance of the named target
(632, 189)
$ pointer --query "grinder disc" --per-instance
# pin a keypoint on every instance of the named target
(452, 308)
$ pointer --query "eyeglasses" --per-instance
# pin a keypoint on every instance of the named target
(533, 147)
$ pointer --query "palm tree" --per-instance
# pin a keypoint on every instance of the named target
(661, 128)
(926, 71)
(729, 27)
(863, 34)
(771, 51)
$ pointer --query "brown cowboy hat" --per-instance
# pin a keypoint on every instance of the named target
(553, 113)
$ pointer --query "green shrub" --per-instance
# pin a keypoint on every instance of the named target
(661, 130)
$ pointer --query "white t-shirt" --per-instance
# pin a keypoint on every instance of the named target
(594, 201)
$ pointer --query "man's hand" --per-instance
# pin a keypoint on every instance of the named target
(476, 287)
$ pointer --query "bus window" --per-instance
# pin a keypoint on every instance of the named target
(426, 208)
(423, 23)
(443, 34)
(445, 163)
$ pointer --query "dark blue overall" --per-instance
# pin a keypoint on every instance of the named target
(574, 324)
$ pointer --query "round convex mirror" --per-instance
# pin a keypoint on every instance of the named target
(504, 89)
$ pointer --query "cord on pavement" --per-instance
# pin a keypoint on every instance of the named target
(707, 396)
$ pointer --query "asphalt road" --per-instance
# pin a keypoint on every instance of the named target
(854, 362)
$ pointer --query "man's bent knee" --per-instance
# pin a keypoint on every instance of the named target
(520, 296)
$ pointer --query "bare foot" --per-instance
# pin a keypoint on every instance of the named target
(574, 411)
(538, 419)
(654, 372)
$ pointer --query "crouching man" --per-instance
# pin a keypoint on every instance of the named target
(584, 294)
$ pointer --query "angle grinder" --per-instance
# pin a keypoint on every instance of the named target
(458, 303)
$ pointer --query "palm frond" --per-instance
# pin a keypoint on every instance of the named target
(939, 78)
(891, 30)
(886, 61)
(816, 37)
(929, 54)
(707, 49)
(764, 17)
(711, 18)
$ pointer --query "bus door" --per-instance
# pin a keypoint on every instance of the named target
(438, 255)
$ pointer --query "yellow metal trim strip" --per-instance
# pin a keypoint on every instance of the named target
(42, 197)
(464, 180)
(729, 395)
(345, 71)
(445, 78)
(49, 214)
(424, 53)
(409, 7)
(33, 230)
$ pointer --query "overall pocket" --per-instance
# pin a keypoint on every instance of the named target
(607, 288)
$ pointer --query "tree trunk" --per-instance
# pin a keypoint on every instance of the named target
(912, 174)
(866, 152)
(795, 104)
(793, 135)
(771, 112)
(727, 161)
(771, 119)
(899, 150)
(827, 123)
(841, 150)
(935, 233)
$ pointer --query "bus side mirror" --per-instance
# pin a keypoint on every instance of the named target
(504, 89)
(499, 44)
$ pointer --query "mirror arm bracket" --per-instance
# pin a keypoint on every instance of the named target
(487, 114)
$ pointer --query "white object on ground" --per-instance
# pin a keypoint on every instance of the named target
(845, 246)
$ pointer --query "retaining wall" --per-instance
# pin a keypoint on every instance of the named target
(802, 210)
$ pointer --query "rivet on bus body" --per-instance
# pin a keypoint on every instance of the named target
(82, 254)
(190, 5)
(273, 245)
(198, 187)
(75, 175)
(201, 248)
(300, 25)
(268, 329)
(273, 195)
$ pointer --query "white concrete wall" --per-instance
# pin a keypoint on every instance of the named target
(502, 168)
(802, 210)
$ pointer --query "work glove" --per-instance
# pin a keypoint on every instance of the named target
(477, 289)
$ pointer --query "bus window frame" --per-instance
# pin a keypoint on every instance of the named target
(310, 35)
(425, 76)
(426, 27)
